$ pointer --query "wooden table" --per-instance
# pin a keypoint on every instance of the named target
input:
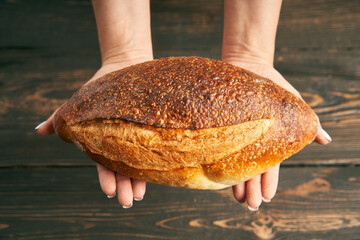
(50, 190)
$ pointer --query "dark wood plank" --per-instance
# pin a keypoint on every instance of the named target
(193, 26)
(33, 83)
(187, 28)
(323, 24)
(312, 203)
(40, 24)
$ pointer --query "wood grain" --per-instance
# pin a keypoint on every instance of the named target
(49, 189)
(195, 27)
(42, 24)
(320, 202)
(319, 24)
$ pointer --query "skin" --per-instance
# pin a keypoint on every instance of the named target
(249, 42)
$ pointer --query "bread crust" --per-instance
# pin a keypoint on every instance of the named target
(158, 121)
(181, 92)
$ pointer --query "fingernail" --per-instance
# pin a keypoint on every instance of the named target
(127, 207)
(111, 196)
(39, 126)
(138, 199)
(266, 200)
(327, 136)
(253, 209)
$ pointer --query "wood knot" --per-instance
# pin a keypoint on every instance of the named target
(263, 227)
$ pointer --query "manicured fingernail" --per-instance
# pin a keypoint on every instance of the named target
(111, 196)
(39, 126)
(128, 206)
(327, 136)
(253, 209)
(138, 199)
(266, 200)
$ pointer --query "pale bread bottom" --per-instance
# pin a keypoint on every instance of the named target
(175, 157)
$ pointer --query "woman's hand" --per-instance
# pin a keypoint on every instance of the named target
(263, 187)
(249, 42)
(111, 183)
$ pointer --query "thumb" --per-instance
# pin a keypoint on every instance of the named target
(322, 137)
(46, 128)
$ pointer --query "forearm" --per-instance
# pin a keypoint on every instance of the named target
(123, 30)
(250, 30)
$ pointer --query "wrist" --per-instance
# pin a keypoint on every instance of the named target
(120, 61)
(247, 56)
(250, 30)
(125, 57)
(123, 30)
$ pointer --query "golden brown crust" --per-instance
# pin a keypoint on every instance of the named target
(114, 120)
(181, 92)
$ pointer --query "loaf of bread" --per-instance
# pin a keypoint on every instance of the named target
(186, 121)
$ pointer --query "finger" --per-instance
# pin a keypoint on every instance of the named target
(124, 191)
(269, 183)
(239, 192)
(322, 137)
(253, 193)
(47, 127)
(107, 181)
(138, 189)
